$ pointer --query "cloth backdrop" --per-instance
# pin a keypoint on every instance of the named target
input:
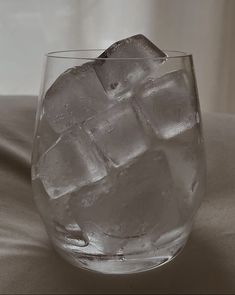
(29, 265)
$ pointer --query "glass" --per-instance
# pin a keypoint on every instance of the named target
(118, 170)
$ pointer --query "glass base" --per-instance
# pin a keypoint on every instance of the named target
(119, 264)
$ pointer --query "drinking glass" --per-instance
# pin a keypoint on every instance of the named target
(118, 166)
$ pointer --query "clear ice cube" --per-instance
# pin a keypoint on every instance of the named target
(118, 133)
(70, 163)
(128, 204)
(46, 136)
(75, 96)
(119, 77)
(71, 234)
(186, 162)
(167, 104)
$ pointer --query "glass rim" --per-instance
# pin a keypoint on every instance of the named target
(61, 54)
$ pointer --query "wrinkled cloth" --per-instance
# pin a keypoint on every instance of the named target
(29, 264)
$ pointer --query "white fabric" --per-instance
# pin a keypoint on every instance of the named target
(30, 28)
(29, 265)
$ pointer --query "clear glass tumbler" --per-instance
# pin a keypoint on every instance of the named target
(118, 164)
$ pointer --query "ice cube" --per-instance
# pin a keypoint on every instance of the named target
(119, 77)
(186, 161)
(167, 104)
(66, 230)
(70, 163)
(60, 211)
(117, 132)
(85, 202)
(46, 136)
(75, 96)
(129, 204)
(71, 235)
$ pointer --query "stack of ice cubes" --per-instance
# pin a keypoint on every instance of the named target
(111, 117)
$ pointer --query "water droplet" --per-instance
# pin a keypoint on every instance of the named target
(113, 85)
(122, 258)
(120, 252)
(150, 79)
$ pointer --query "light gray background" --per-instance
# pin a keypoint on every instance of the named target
(206, 28)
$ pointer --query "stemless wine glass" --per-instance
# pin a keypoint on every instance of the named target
(118, 166)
